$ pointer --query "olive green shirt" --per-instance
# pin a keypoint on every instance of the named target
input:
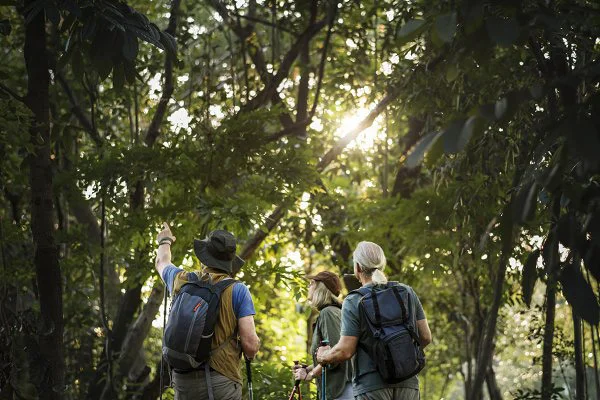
(327, 327)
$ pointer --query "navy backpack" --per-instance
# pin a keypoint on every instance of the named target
(392, 344)
(191, 324)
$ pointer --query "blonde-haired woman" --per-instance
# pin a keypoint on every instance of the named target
(323, 293)
(368, 384)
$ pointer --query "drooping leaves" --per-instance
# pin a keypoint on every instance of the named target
(416, 156)
(579, 293)
(445, 26)
(410, 30)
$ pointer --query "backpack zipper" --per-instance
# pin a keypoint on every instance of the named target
(191, 328)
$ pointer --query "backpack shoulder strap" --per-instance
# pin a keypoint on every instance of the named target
(363, 291)
(220, 286)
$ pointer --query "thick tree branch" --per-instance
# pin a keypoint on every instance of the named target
(135, 338)
(11, 92)
(273, 219)
(83, 119)
(168, 86)
(264, 22)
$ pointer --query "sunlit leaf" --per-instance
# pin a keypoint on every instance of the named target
(418, 153)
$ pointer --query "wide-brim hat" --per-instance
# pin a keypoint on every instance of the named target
(218, 251)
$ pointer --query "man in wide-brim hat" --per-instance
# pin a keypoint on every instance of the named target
(234, 330)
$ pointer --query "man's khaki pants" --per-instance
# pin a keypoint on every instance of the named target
(390, 394)
(192, 386)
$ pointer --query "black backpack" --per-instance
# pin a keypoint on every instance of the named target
(392, 343)
(191, 324)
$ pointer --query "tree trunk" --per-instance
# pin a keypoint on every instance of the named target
(552, 265)
(47, 268)
(153, 389)
(487, 336)
(492, 385)
(135, 339)
(579, 364)
(548, 340)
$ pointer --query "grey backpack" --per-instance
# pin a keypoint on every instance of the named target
(191, 324)
(393, 344)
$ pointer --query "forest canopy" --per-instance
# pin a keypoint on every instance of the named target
(463, 137)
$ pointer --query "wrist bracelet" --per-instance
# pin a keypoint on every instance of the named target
(165, 242)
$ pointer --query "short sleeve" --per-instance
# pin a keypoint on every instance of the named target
(169, 274)
(243, 305)
(419, 313)
(350, 317)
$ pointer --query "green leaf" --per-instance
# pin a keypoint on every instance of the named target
(5, 27)
(529, 276)
(584, 141)
(169, 42)
(526, 202)
(451, 72)
(591, 260)
(130, 72)
(130, 46)
(500, 108)
(453, 141)
(416, 156)
(410, 30)
(503, 31)
(445, 26)
(580, 294)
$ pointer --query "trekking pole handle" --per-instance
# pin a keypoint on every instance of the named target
(324, 342)
(249, 377)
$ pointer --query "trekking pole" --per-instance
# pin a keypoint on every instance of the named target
(324, 342)
(249, 378)
(297, 384)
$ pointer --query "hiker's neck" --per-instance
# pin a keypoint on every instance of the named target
(211, 270)
(364, 280)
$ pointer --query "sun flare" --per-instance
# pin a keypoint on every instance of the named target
(367, 139)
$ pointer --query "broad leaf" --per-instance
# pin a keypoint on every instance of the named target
(445, 26)
(503, 31)
(130, 46)
(411, 28)
(5, 27)
(580, 294)
(416, 156)
(453, 143)
(591, 260)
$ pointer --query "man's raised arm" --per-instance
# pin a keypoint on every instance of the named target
(163, 255)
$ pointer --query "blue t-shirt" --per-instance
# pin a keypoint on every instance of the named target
(242, 301)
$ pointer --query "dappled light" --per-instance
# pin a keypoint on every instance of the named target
(151, 150)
